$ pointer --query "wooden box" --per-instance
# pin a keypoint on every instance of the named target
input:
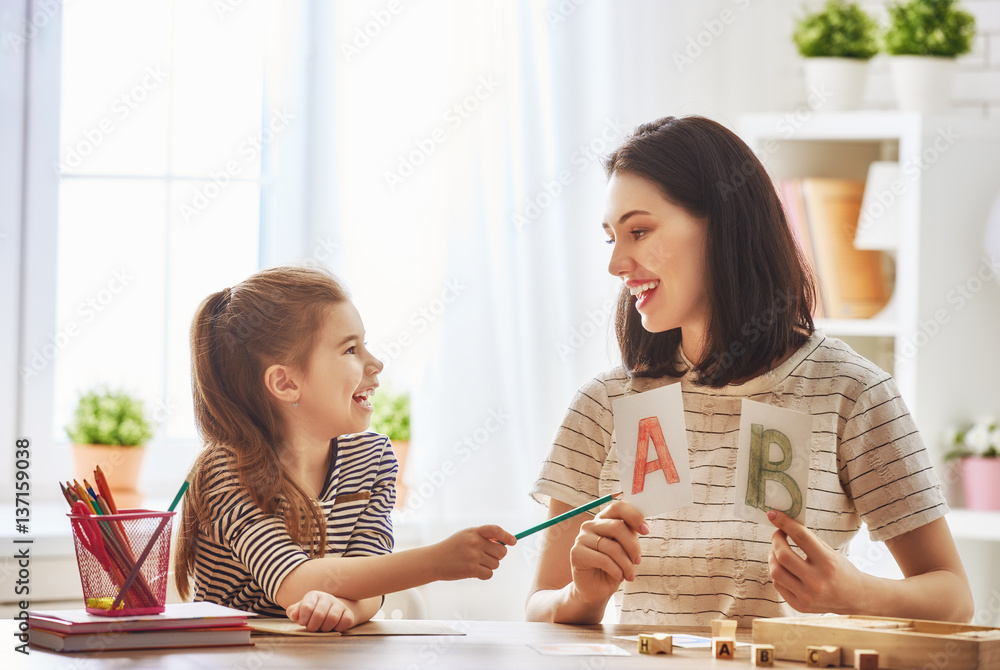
(903, 644)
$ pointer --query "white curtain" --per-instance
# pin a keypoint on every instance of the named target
(469, 197)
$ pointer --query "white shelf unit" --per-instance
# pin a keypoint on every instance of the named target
(944, 347)
(940, 335)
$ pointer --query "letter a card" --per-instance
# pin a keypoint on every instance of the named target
(653, 461)
(772, 465)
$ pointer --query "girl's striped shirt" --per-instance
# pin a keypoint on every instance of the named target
(246, 554)
(703, 562)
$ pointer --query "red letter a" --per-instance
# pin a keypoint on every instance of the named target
(649, 429)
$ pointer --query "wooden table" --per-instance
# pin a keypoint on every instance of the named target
(486, 644)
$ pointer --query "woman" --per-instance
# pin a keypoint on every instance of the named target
(717, 297)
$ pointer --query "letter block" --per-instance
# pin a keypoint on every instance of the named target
(825, 656)
(724, 628)
(865, 659)
(657, 643)
(763, 655)
(723, 647)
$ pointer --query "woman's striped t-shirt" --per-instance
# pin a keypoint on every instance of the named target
(703, 562)
(247, 554)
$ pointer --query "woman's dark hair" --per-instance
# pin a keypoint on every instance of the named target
(761, 292)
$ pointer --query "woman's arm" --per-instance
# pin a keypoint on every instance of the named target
(934, 584)
(583, 562)
(473, 552)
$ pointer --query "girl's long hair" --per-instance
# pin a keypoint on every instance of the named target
(760, 289)
(271, 318)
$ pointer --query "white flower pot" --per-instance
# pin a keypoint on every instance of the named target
(923, 83)
(838, 81)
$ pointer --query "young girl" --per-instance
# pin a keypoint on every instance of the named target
(716, 297)
(289, 509)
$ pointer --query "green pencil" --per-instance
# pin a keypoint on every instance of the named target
(566, 515)
(181, 491)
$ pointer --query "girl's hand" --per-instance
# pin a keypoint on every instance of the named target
(473, 552)
(321, 611)
(823, 581)
(606, 551)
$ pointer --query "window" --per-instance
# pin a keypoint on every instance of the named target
(165, 144)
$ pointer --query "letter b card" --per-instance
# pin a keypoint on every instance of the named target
(772, 466)
(653, 462)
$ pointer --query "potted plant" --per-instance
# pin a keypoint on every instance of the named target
(924, 39)
(391, 417)
(109, 429)
(837, 43)
(978, 445)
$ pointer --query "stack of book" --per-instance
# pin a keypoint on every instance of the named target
(823, 215)
(181, 625)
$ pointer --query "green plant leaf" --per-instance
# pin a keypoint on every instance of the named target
(391, 415)
(840, 30)
(104, 416)
(929, 28)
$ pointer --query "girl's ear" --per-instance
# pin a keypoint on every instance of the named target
(282, 383)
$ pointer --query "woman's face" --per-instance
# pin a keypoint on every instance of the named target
(659, 252)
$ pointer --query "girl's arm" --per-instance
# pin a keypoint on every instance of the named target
(583, 562)
(934, 585)
(474, 552)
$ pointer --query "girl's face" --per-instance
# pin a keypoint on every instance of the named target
(659, 252)
(340, 376)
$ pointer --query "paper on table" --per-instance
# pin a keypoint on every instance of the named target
(381, 627)
(661, 480)
(772, 466)
(579, 649)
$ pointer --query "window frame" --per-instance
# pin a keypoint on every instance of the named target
(30, 111)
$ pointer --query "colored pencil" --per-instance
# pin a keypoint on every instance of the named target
(90, 490)
(102, 483)
(84, 497)
(180, 492)
(586, 507)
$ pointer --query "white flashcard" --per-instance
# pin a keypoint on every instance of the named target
(772, 466)
(658, 479)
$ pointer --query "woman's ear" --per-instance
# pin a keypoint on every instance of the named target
(282, 383)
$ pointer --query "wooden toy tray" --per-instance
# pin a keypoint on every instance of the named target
(903, 644)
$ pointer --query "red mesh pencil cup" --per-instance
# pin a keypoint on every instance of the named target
(123, 560)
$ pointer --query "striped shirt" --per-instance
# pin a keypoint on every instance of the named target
(243, 560)
(702, 561)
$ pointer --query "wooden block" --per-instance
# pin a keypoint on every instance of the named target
(657, 643)
(723, 647)
(724, 628)
(763, 655)
(825, 656)
(865, 659)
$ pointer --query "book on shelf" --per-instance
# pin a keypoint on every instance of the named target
(790, 191)
(823, 214)
(179, 625)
